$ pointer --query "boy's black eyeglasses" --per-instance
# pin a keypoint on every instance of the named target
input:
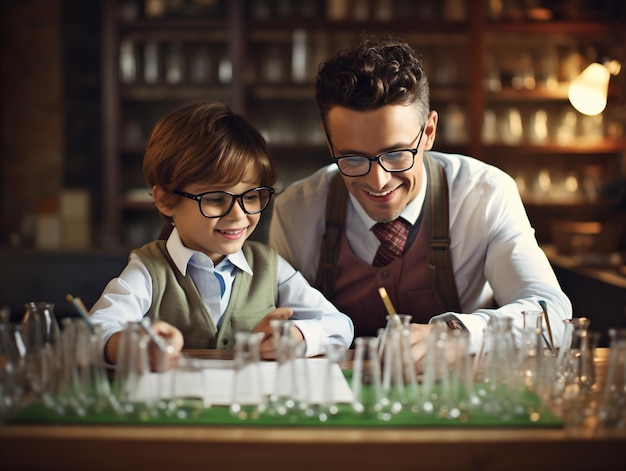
(399, 160)
(215, 204)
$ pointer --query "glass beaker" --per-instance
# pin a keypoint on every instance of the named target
(366, 379)
(333, 354)
(281, 328)
(399, 380)
(289, 395)
(132, 370)
(446, 382)
(493, 373)
(579, 393)
(248, 400)
(43, 313)
(613, 408)
(189, 396)
(72, 389)
(103, 399)
(12, 379)
(459, 397)
(39, 337)
(575, 324)
(530, 363)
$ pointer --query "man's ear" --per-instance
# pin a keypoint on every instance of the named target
(323, 128)
(430, 130)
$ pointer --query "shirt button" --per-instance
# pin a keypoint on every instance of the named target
(225, 342)
(203, 259)
(384, 274)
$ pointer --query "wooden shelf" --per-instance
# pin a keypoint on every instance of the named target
(578, 27)
(606, 148)
(260, 27)
(170, 92)
(232, 30)
(136, 204)
(538, 93)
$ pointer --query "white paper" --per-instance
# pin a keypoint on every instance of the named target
(214, 383)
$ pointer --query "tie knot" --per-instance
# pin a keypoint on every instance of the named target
(391, 231)
(393, 236)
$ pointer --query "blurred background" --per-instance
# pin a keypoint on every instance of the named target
(83, 83)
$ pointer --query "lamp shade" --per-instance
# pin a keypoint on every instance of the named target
(589, 90)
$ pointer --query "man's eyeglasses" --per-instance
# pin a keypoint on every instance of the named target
(399, 160)
(215, 204)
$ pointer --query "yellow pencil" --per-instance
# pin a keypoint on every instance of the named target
(387, 302)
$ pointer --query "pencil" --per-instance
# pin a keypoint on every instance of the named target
(387, 302)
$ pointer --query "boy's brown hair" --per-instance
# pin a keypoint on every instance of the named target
(205, 142)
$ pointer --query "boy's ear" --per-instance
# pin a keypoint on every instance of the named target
(158, 195)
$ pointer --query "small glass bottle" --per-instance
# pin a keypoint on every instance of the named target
(174, 64)
(128, 64)
(151, 62)
(43, 314)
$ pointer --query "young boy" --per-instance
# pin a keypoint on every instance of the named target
(211, 177)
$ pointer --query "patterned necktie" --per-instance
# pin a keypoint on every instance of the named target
(393, 236)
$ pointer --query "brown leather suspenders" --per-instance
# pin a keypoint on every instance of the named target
(436, 218)
(336, 206)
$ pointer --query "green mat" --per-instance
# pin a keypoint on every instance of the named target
(39, 414)
(189, 413)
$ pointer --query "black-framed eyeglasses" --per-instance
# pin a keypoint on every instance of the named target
(399, 160)
(215, 204)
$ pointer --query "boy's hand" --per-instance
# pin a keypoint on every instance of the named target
(171, 337)
(172, 341)
(267, 347)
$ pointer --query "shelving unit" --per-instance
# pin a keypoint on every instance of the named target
(262, 55)
(564, 165)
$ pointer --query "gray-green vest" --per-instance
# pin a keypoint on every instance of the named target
(176, 300)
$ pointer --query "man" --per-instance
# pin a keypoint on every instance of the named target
(470, 254)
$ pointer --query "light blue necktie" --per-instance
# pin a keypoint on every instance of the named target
(222, 284)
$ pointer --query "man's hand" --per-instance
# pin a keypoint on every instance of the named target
(418, 334)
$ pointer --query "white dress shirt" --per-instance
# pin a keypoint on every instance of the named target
(128, 297)
(495, 255)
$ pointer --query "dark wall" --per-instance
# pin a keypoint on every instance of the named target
(603, 303)
(32, 275)
(50, 89)
(82, 69)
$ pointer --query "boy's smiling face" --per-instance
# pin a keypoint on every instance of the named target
(215, 237)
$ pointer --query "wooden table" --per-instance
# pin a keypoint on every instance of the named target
(138, 448)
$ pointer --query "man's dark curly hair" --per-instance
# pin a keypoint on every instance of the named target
(372, 74)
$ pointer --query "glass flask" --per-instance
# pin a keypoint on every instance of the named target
(39, 339)
(288, 396)
(43, 313)
(333, 354)
(366, 379)
(12, 379)
(248, 400)
(447, 389)
(399, 380)
(613, 409)
(132, 369)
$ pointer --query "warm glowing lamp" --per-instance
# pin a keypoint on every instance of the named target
(588, 91)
